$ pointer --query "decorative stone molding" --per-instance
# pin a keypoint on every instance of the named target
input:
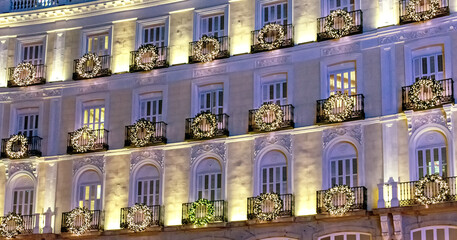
(398, 229)
(415, 121)
(94, 88)
(271, 61)
(385, 231)
(354, 131)
(448, 114)
(97, 161)
(340, 49)
(161, 79)
(421, 33)
(284, 140)
(209, 71)
(13, 167)
(137, 157)
(30, 95)
(219, 149)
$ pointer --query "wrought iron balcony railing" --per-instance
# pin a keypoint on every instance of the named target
(356, 113)
(156, 218)
(421, 9)
(221, 122)
(256, 45)
(288, 206)
(101, 141)
(287, 121)
(224, 49)
(220, 212)
(33, 147)
(40, 76)
(339, 200)
(89, 66)
(357, 27)
(159, 136)
(447, 96)
(95, 225)
(25, 5)
(31, 224)
(161, 62)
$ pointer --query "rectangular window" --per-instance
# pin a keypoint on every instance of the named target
(209, 186)
(432, 160)
(23, 201)
(275, 13)
(98, 44)
(344, 172)
(33, 53)
(343, 81)
(274, 179)
(148, 191)
(212, 25)
(429, 66)
(90, 196)
(275, 92)
(94, 117)
(212, 101)
(151, 109)
(27, 124)
(154, 35)
(347, 5)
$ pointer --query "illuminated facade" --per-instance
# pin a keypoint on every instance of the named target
(292, 119)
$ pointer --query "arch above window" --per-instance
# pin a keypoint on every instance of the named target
(346, 236)
(146, 183)
(273, 173)
(208, 179)
(343, 165)
(88, 189)
(434, 233)
(20, 195)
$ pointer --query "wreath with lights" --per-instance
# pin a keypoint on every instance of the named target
(201, 203)
(200, 45)
(330, 22)
(425, 15)
(18, 76)
(9, 146)
(197, 125)
(419, 191)
(280, 36)
(80, 66)
(333, 101)
(78, 134)
(339, 210)
(142, 125)
(147, 217)
(143, 51)
(79, 212)
(260, 200)
(18, 223)
(263, 111)
(418, 87)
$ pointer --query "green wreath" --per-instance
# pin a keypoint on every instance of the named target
(199, 120)
(139, 209)
(142, 125)
(199, 46)
(9, 146)
(328, 200)
(333, 102)
(79, 212)
(260, 201)
(143, 50)
(263, 112)
(330, 22)
(418, 87)
(419, 191)
(425, 15)
(18, 222)
(200, 221)
(279, 38)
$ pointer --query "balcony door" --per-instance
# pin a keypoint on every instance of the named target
(275, 13)
(33, 53)
(212, 25)
(273, 173)
(275, 92)
(212, 100)
(98, 44)
(429, 66)
(431, 155)
(343, 165)
(27, 124)
(148, 186)
(346, 5)
(154, 35)
(209, 180)
(90, 190)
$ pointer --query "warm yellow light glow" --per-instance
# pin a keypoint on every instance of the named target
(182, 10)
(178, 55)
(173, 215)
(306, 33)
(386, 16)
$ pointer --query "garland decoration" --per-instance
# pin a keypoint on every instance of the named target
(338, 107)
(16, 139)
(271, 28)
(142, 125)
(206, 42)
(5, 228)
(24, 74)
(338, 210)
(207, 218)
(330, 23)
(425, 85)
(79, 212)
(419, 191)
(78, 136)
(81, 65)
(150, 52)
(131, 216)
(260, 200)
(270, 112)
(412, 14)
(204, 120)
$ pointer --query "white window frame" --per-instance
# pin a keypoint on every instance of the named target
(32, 114)
(208, 190)
(21, 41)
(434, 228)
(257, 170)
(10, 190)
(145, 92)
(134, 179)
(94, 31)
(76, 185)
(201, 13)
(94, 105)
(88, 99)
(339, 62)
(431, 148)
(351, 175)
(30, 205)
(325, 8)
(24, 108)
(259, 11)
(283, 184)
(145, 23)
(273, 74)
(333, 235)
(427, 57)
(90, 185)
(211, 88)
(199, 84)
(151, 97)
(194, 176)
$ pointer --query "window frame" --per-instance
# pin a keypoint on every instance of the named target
(145, 23)
(199, 84)
(30, 40)
(8, 204)
(134, 179)
(76, 185)
(86, 99)
(193, 196)
(273, 74)
(85, 33)
(325, 8)
(434, 228)
(339, 62)
(27, 107)
(333, 235)
(205, 12)
(259, 4)
(258, 166)
(141, 93)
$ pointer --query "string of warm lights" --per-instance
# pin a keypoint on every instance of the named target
(81, 65)
(22, 79)
(78, 136)
(263, 113)
(330, 24)
(5, 228)
(338, 107)
(207, 217)
(260, 201)
(142, 125)
(17, 139)
(330, 194)
(144, 211)
(204, 119)
(412, 13)
(421, 86)
(278, 32)
(149, 51)
(74, 215)
(206, 42)
(420, 186)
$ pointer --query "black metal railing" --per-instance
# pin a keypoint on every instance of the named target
(287, 121)
(40, 76)
(101, 141)
(89, 66)
(406, 191)
(161, 62)
(24, 5)
(30, 223)
(222, 127)
(96, 224)
(421, 9)
(33, 147)
(357, 18)
(447, 97)
(287, 210)
(256, 46)
(224, 49)
(159, 136)
(157, 213)
(220, 212)
(339, 200)
(356, 113)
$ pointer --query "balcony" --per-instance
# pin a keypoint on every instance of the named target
(161, 62)
(421, 10)
(33, 147)
(31, 224)
(202, 128)
(159, 136)
(269, 39)
(287, 209)
(95, 225)
(88, 67)
(224, 49)
(339, 25)
(340, 112)
(25, 5)
(220, 212)
(426, 94)
(269, 117)
(156, 218)
(40, 76)
(100, 141)
(339, 200)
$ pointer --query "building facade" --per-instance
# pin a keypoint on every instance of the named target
(238, 119)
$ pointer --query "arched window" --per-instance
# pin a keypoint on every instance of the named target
(431, 154)
(346, 236)
(22, 195)
(434, 233)
(147, 185)
(209, 179)
(89, 190)
(273, 173)
(343, 165)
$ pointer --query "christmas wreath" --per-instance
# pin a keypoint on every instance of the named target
(145, 126)
(338, 107)
(338, 210)
(269, 117)
(78, 137)
(74, 217)
(24, 74)
(421, 86)
(271, 28)
(206, 42)
(81, 65)
(260, 201)
(204, 125)
(144, 211)
(5, 228)
(149, 52)
(330, 23)
(412, 14)
(419, 192)
(208, 216)
(16, 139)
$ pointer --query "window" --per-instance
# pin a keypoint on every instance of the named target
(211, 99)
(347, 5)
(22, 195)
(275, 13)
(94, 115)
(89, 190)
(154, 35)
(431, 154)
(435, 233)
(33, 53)
(98, 44)
(27, 124)
(275, 92)
(273, 173)
(346, 236)
(429, 66)
(342, 77)
(343, 165)
(151, 107)
(153, 31)
(212, 25)
(147, 186)
(209, 180)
